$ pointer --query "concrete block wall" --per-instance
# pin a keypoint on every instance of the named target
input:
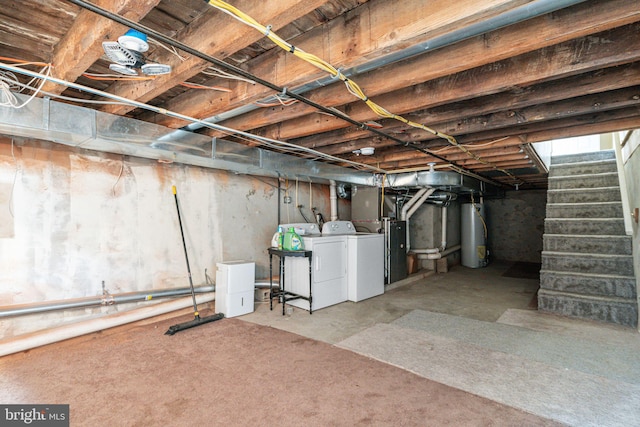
(515, 225)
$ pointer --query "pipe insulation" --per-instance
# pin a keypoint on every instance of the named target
(50, 336)
(99, 300)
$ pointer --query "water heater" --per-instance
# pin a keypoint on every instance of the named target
(473, 235)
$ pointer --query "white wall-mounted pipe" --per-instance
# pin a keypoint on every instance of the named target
(419, 203)
(412, 206)
(443, 243)
(443, 240)
(60, 333)
(410, 203)
(333, 197)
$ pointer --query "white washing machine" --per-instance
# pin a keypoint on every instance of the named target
(365, 260)
(328, 268)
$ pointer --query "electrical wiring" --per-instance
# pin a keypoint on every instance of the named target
(282, 100)
(486, 144)
(171, 49)
(215, 72)
(199, 86)
(113, 189)
(15, 176)
(240, 72)
(8, 80)
(477, 210)
(69, 98)
(351, 86)
(112, 77)
(229, 131)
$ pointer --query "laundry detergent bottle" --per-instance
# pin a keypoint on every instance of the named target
(276, 240)
(292, 242)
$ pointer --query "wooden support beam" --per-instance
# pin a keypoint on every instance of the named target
(608, 49)
(509, 119)
(212, 40)
(567, 24)
(374, 29)
(513, 99)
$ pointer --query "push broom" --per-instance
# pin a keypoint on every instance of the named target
(197, 321)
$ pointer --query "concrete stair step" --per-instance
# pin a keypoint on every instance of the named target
(586, 195)
(589, 284)
(593, 244)
(607, 179)
(583, 168)
(583, 157)
(585, 210)
(585, 226)
(621, 265)
(622, 311)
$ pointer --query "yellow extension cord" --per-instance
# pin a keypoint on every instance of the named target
(352, 86)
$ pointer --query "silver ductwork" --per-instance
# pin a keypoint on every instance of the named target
(90, 129)
(446, 181)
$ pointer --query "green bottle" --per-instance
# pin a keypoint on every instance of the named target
(292, 242)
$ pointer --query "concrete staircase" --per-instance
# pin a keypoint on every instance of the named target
(587, 263)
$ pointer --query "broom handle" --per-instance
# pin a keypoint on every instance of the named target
(186, 258)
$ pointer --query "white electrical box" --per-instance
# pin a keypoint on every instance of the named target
(235, 282)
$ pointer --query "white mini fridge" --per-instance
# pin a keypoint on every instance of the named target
(235, 282)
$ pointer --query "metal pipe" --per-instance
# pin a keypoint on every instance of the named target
(105, 299)
(333, 198)
(72, 330)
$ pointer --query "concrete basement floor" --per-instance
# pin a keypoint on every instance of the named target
(479, 331)
(481, 294)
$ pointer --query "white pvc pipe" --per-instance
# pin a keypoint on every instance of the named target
(443, 242)
(411, 207)
(419, 203)
(439, 254)
(410, 203)
(426, 251)
(60, 333)
(333, 197)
